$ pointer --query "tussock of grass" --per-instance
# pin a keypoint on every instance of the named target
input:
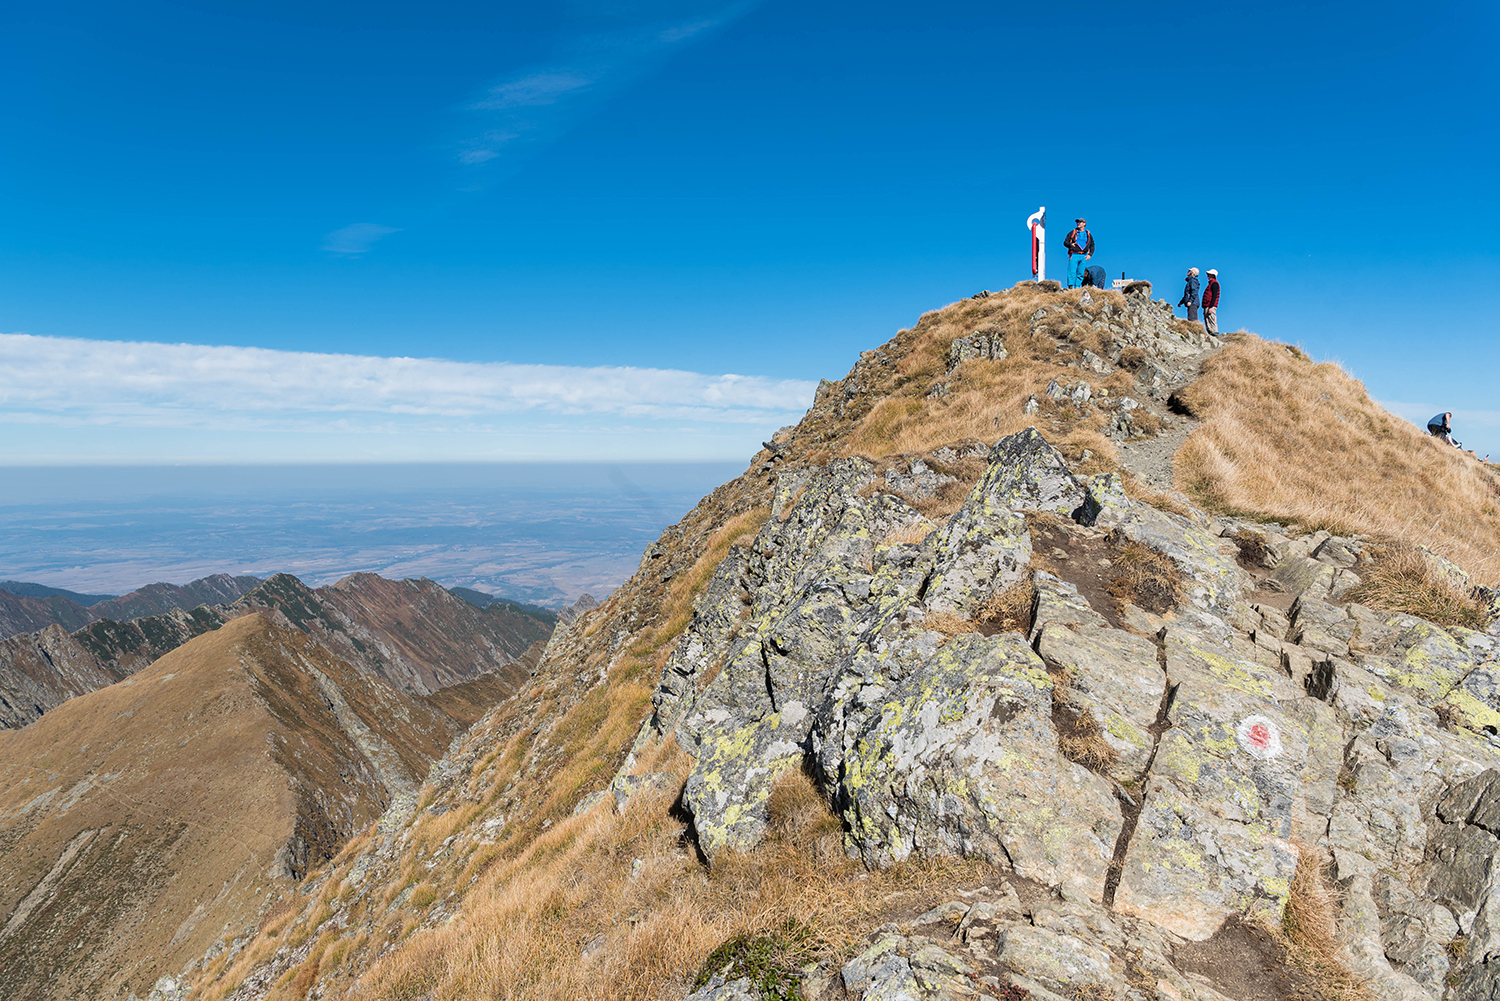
(910, 535)
(948, 624)
(1308, 933)
(1402, 579)
(1080, 740)
(1145, 577)
(1298, 442)
(1009, 611)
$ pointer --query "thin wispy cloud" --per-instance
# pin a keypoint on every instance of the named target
(357, 238)
(52, 380)
(532, 91)
(537, 104)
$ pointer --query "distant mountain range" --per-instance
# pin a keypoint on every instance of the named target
(415, 634)
(26, 607)
(26, 590)
(168, 777)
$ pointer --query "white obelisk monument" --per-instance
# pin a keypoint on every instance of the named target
(1037, 224)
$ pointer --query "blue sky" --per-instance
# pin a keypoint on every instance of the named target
(613, 205)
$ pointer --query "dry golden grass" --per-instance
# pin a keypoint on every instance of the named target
(1308, 934)
(1079, 738)
(1303, 443)
(948, 624)
(1402, 579)
(648, 927)
(910, 535)
(1145, 577)
(985, 398)
(1009, 611)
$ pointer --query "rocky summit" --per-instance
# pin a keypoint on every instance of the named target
(975, 684)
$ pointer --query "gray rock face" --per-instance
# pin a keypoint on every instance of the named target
(1115, 676)
(1229, 739)
(961, 759)
(981, 344)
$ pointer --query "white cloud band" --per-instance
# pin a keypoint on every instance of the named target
(74, 381)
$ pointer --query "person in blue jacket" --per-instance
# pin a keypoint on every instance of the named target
(1080, 246)
(1190, 295)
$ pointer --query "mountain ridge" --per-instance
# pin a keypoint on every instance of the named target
(690, 816)
(393, 629)
(23, 613)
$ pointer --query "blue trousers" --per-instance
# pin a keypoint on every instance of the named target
(1075, 269)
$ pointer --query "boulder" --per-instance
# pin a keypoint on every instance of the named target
(729, 785)
(962, 759)
(984, 345)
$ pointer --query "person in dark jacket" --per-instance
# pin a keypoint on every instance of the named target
(1190, 295)
(1080, 246)
(1211, 302)
(1441, 428)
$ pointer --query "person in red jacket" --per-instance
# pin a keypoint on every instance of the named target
(1211, 302)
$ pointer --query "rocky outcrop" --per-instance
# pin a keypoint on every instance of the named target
(1224, 733)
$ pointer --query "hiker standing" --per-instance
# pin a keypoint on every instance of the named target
(1190, 295)
(1211, 303)
(1080, 246)
(1441, 428)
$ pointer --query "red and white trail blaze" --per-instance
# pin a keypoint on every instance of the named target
(1259, 736)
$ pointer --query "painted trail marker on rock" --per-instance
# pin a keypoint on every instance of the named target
(1259, 736)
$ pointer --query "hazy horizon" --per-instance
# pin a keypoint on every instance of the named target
(543, 533)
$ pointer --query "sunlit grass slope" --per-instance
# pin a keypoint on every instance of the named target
(1287, 439)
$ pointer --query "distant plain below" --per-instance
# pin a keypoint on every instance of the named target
(540, 533)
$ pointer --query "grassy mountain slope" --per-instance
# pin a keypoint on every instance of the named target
(413, 633)
(147, 820)
(1287, 439)
(494, 887)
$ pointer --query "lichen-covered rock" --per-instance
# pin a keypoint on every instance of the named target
(1217, 581)
(915, 480)
(732, 780)
(961, 759)
(1106, 503)
(1214, 832)
(1114, 676)
(1187, 869)
(984, 345)
(882, 972)
(1027, 474)
(738, 989)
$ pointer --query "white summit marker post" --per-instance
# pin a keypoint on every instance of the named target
(1037, 224)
